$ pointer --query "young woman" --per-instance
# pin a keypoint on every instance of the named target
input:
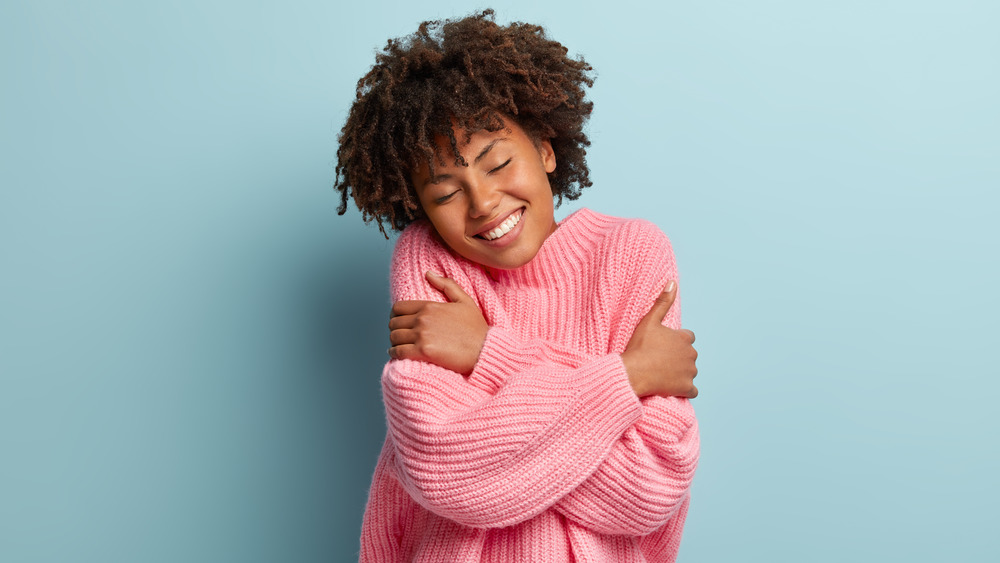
(537, 395)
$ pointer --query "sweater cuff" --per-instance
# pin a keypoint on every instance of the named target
(504, 353)
(671, 418)
(501, 354)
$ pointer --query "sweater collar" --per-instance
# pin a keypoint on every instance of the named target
(562, 255)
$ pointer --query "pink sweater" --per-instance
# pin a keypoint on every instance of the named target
(543, 453)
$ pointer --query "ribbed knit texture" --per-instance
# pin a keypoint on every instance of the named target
(543, 453)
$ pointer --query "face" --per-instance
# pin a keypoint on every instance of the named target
(498, 210)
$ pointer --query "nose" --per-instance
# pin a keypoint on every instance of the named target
(483, 199)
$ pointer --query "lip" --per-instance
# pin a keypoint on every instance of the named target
(496, 222)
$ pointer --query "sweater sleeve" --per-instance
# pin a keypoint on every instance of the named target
(647, 474)
(645, 479)
(387, 509)
(496, 457)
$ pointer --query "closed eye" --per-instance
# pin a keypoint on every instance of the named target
(445, 198)
(501, 166)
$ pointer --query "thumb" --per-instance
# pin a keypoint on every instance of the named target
(663, 303)
(449, 287)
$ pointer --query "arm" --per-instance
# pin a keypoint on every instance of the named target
(453, 335)
(645, 479)
(387, 507)
(644, 483)
(494, 457)
(496, 460)
(638, 483)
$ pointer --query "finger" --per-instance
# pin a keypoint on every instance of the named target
(449, 287)
(404, 352)
(402, 321)
(408, 307)
(663, 302)
(693, 393)
(689, 333)
(402, 336)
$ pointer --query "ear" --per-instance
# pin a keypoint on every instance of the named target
(548, 155)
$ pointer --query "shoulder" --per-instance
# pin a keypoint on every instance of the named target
(610, 230)
(418, 249)
(639, 236)
(624, 243)
(417, 241)
(636, 262)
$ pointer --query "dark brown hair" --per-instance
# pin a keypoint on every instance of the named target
(468, 74)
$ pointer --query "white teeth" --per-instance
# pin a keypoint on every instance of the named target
(503, 228)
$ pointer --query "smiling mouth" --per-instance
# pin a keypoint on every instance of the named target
(503, 228)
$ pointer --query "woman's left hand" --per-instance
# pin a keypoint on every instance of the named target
(450, 335)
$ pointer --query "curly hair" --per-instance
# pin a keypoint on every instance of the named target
(469, 74)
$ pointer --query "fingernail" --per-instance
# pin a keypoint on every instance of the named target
(432, 274)
(670, 287)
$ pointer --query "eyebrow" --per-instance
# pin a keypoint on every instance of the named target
(482, 154)
(487, 149)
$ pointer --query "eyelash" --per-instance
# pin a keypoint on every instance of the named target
(445, 198)
(501, 166)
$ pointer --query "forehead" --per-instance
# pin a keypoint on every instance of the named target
(467, 149)
(466, 141)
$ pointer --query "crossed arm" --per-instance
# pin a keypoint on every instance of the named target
(603, 458)
(659, 360)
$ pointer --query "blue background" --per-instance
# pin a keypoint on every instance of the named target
(191, 339)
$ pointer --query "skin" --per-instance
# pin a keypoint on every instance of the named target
(506, 176)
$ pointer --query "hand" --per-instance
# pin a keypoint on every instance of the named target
(450, 335)
(660, 360)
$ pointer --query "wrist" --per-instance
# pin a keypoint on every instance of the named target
(636, 375)
(474, 353)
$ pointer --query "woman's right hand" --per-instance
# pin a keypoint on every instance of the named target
(660, 360)
(449, 335)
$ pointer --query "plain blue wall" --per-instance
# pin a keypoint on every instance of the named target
(191, 339)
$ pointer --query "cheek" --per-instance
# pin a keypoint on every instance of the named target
(448, 225)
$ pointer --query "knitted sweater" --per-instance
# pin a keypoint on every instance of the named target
(543, 452)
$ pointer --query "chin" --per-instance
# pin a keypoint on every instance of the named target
(512, 262)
